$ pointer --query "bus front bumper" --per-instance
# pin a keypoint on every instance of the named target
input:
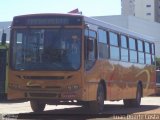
(23, 93)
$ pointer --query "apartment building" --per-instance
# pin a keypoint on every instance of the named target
(145, 9)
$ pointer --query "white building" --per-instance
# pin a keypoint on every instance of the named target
(141, 26)
(146, 9)
(128, 7)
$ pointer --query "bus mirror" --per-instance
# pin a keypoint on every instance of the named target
(3, 39)
(90, 44)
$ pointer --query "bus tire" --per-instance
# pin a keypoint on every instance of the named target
(98, 105)
(134, 102)
(127, 102)
(137, 101)
(37, 106)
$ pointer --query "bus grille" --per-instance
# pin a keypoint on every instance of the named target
(41, 77)
(53, 95)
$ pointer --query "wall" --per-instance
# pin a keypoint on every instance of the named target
(138, 25)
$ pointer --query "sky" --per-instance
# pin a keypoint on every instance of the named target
(11, 8)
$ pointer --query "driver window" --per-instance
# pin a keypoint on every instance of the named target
(90, 48)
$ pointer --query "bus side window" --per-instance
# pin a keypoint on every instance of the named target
(90, 48)
(132, 50)
(153, 53)
(103, 49)
(114, 46)
(147, 53)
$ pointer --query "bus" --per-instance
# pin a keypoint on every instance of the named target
(3, 68)
(73, 59)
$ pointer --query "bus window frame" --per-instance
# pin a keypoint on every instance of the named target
(132, 50)
(148, 53)
(86, 58)
(141, 51)
(115, 46)
(104, 44)
(153, 54)
(124, 48)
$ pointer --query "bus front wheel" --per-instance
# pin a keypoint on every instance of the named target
(98, 105)
(37, 106)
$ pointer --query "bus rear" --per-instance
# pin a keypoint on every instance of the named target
(45, 58)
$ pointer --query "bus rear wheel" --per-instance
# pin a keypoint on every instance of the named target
(134, 102)
(98, 105)
(37, 106)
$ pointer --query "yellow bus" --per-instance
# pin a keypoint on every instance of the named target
(73, 59)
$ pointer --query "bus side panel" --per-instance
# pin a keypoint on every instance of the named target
(149, 88)
(119, 77)
(122, 79)
(92, 77)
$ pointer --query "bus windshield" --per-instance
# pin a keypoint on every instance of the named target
(46, 49)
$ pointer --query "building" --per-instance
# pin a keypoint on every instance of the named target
(138, 25)
(128, 7)
(146, 9)
(5, 27)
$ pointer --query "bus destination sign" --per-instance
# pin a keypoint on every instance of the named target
(47, 21)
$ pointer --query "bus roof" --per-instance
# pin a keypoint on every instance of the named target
(109, 26)
(96, 22)
(47, 14)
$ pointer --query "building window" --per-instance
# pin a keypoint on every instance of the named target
(148, 13)
(148, 5)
